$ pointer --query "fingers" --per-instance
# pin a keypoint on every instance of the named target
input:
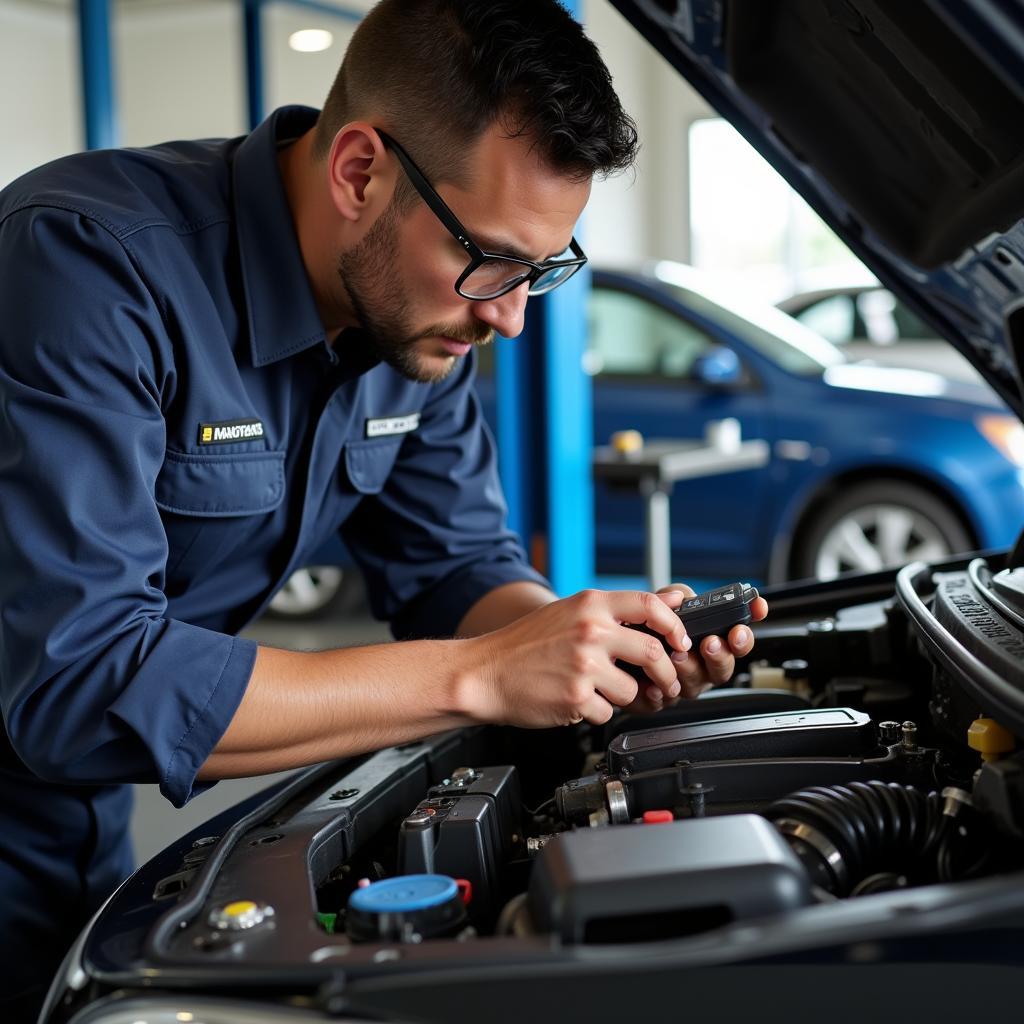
(685, 673)
(691, 673)
(741, 640)
(617, 687)
(713, 663)
(596, 710)
(716, 663)
(645, 705)
(648, 653)
(719, 662)
(638, 607)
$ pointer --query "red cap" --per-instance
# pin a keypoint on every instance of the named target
(658, 817)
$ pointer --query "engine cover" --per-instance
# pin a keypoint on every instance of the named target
(647, 882)
(815, 732)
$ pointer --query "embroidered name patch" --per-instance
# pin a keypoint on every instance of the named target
(227, 431)
(392, 425)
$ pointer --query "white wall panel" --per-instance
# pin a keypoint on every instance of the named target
(40, 115)
(179, 70)
(646, 215)
(179, 73)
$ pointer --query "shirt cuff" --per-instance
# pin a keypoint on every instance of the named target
(439, 612)
(193, 689)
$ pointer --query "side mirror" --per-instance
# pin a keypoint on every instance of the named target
(719, 367)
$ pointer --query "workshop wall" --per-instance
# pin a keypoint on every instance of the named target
(179, 73)
(40, 116)
(633, 218)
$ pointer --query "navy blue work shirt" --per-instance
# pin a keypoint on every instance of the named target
(176, 438)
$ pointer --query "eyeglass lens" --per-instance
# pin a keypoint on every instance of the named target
(552, 279)
(494, 277)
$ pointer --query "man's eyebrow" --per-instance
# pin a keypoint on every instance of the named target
(501, 247)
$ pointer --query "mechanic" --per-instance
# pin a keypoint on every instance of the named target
(213, 355)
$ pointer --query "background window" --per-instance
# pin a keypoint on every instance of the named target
(631, 337)
(832, 318)
(748, 227)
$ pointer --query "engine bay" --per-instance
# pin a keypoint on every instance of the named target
(858, 781)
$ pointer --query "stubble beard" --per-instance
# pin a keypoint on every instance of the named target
(381, 305)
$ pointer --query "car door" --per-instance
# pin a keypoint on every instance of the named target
(645, 360)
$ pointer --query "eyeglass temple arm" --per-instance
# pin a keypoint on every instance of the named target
(430, 196)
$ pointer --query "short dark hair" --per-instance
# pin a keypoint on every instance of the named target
(437, 73)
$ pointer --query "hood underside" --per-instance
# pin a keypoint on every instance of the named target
(900, 123)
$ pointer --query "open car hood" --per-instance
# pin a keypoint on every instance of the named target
(900, 124)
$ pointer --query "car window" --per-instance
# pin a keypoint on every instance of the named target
(909, 324)
(887, 320)
(632, 337)
(832, 318)
(776, 335)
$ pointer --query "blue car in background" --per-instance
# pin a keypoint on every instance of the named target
(870, 466)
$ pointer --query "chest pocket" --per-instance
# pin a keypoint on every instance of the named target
(211, 504)
(368, 463)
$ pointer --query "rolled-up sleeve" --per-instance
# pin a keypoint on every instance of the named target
(436, 539)
(97, 683)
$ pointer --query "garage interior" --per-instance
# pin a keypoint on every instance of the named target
(108, 73)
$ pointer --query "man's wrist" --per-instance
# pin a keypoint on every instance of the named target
(470, 686)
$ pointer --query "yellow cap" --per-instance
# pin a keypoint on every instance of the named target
(239, 907)
(626, 442)
(989, 738)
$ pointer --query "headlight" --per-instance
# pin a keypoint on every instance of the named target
(1005, 434)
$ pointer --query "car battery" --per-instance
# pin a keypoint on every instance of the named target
(467, 827)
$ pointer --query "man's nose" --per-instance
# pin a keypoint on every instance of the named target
(505, 313)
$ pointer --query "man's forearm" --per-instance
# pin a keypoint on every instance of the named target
(503, 605)
(301, 708)
(304, 707)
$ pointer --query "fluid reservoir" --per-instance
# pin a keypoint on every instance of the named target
(407, 908)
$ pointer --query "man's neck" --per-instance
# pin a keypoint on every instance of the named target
(312, 215)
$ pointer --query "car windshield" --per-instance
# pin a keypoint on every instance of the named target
(771, 332)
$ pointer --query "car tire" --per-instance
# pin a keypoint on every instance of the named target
(318, 591)
(874, 526)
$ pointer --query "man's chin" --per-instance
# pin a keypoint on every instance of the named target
(424, 369)
(429, 358)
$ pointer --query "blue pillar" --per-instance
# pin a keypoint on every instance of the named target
(99, 105)
(569, 438)
(252, 11)
(545, 431)
(516, 414)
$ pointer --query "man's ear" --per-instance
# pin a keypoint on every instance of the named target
(361, 178)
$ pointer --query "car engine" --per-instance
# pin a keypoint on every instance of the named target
(857, 782)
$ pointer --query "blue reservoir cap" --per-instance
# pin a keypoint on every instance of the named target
(403, 894)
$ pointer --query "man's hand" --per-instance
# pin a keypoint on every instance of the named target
(714, 663)
(523, 659)
(556, 665)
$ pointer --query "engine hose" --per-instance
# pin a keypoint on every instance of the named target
(845, 833)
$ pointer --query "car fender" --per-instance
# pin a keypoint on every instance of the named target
(971, 502)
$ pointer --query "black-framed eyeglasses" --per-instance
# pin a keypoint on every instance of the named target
(489, 274)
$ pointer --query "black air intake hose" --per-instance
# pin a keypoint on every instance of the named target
(847, 836)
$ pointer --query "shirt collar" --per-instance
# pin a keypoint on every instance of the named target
(283, 317)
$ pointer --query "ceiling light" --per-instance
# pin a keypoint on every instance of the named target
(310, 40)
